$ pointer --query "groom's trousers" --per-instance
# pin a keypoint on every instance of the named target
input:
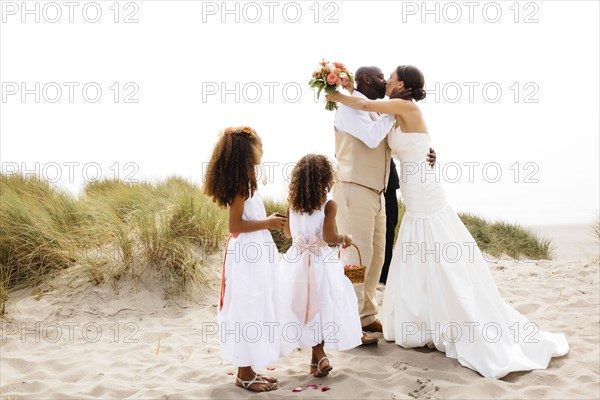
(361, 212)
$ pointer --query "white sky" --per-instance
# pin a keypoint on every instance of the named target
(180, 53)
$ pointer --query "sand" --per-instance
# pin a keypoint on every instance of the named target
(80, 340)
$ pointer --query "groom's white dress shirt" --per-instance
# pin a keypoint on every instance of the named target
(369, 127)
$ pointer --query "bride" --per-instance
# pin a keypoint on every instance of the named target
(440, 291)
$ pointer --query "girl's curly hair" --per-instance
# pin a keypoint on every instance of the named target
(312, 178)
(231, 170)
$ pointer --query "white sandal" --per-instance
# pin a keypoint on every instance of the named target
(270, 379)
(321, 373)
(257, 379)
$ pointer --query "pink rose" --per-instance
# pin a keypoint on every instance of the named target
(331, 79)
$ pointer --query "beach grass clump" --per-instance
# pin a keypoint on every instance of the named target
(112, 229)
(500, 238)
(36, 229)
(166, 228)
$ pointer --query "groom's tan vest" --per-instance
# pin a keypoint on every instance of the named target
(357, 163)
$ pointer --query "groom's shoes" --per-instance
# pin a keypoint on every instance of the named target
(368, 339)
(374, 326)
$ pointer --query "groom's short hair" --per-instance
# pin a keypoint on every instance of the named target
(363, 71)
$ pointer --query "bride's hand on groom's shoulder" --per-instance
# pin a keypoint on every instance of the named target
(431, 157)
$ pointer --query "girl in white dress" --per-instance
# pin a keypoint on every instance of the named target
(440, 291)
(246, 312)
(317, 304)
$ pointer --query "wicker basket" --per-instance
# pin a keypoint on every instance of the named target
(356, 273)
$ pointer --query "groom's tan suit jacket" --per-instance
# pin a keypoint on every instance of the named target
(361, 165)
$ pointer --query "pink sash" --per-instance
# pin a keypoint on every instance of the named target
(305, 300)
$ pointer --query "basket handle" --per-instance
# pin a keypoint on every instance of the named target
(357, 250)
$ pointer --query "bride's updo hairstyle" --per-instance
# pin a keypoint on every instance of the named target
(414, 80)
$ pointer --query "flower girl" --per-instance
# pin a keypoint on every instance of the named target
(249, 267)
(317, 304)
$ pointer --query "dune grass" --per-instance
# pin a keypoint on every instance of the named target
(36, 230)
(502, 238)
(113, 229)
(168, 226)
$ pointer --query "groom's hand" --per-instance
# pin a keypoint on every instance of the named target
(431, 157)
(401, 93)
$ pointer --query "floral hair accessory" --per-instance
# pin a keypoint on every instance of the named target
(251, 133)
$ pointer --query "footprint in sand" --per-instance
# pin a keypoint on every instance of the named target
(426, 390)
(400, 365)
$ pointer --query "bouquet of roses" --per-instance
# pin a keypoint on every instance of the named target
(328, 77)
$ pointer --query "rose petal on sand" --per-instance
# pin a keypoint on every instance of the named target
(325, 388)
(296, 390)
(312, 386)
(229, 373)
(270, 369)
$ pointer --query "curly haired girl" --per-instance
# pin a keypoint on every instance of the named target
(315, 293)
(249, 265)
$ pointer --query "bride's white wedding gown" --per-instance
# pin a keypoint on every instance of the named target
(440, 291)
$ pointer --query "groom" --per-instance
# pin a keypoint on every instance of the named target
(363, 172)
